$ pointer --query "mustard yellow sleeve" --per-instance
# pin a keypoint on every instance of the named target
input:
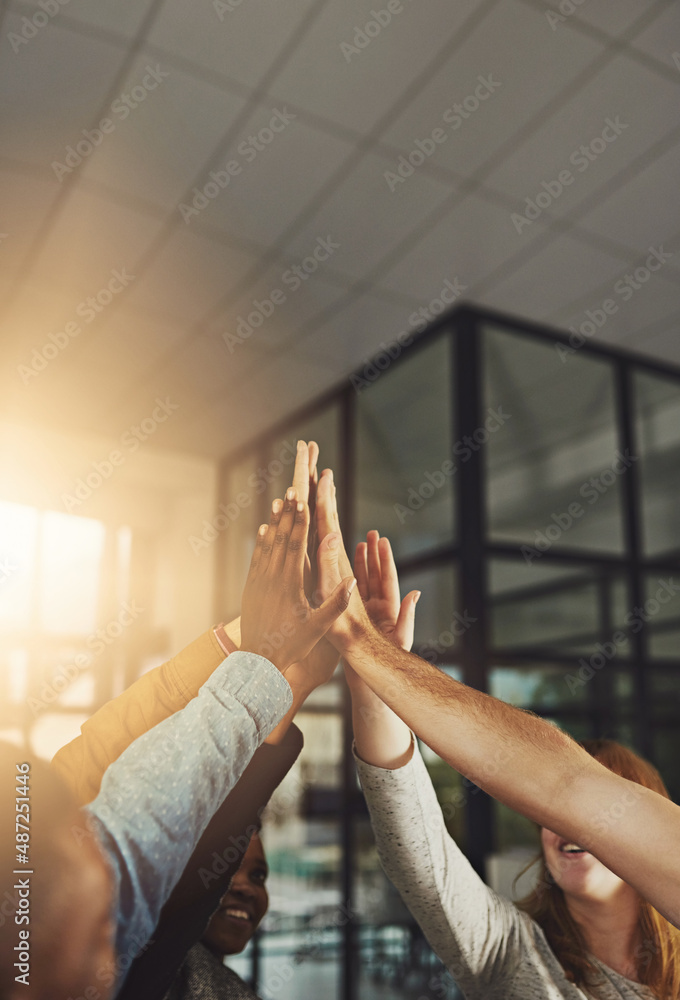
(155, 696)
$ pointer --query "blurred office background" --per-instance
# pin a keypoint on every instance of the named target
(442, 240)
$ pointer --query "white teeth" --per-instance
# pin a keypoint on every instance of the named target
(570, 848)
(239, 914)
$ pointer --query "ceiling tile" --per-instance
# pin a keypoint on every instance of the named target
(165, 125)
(270, 314)
(91, 239)
(467, 243)
(239, 38)
(111, 15)
(664, 346)
(366, 218)
(188, 276)
(357, 88)
(25, 199)
(638, 304)
(612, 18)
(638, 214)
(492, 80)
(552, 278)
(357, 332)
(280, 178)
(662, 38)
(53, 87)
(623, 93)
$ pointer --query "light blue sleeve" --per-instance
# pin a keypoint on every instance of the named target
(158, 797)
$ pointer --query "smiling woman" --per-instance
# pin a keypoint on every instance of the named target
(575, 892)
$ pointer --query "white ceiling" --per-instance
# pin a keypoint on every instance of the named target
(345, 118)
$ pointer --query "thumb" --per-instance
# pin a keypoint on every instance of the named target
(406, 620)
(327, 562)
(334, 605)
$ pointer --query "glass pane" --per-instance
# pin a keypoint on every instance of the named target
(661, 612)
(554, 474)
(569, 610)
(657, 405)
(405, 463)
(71, 556)
(324, 428)
(667, 757)
(18, 539)
(301, 942)
(541, 688)
(242, 515)
(439, 620)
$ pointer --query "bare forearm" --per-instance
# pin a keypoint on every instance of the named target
(513, 755)
(381, 737)
(532, 767)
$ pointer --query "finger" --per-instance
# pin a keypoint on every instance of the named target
(283, 530)
(327, 562)
(406, 621)
(361, 570)
(296, 550)
(324, 518)
(301, 471)
(333, 607)
(267, 541)
(313, 451)
(374, 574)
(388, 572)
(257, 551)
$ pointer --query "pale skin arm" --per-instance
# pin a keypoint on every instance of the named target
(518, 758)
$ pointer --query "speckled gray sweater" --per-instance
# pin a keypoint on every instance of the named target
(492, 950)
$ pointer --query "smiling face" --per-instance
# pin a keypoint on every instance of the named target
(578, 874)
(242, 907)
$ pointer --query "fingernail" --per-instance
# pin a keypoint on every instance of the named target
(277, 506)
(300, 506)
(290, 493)
(300, 445)
(262, 530)
(350, 587)
(417, 597)
(333, 542)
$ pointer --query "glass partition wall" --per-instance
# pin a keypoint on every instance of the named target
(529, 485)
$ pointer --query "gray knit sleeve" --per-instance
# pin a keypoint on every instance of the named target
(479, 936)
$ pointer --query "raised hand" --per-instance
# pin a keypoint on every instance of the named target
(378, 585)
(277, 620)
